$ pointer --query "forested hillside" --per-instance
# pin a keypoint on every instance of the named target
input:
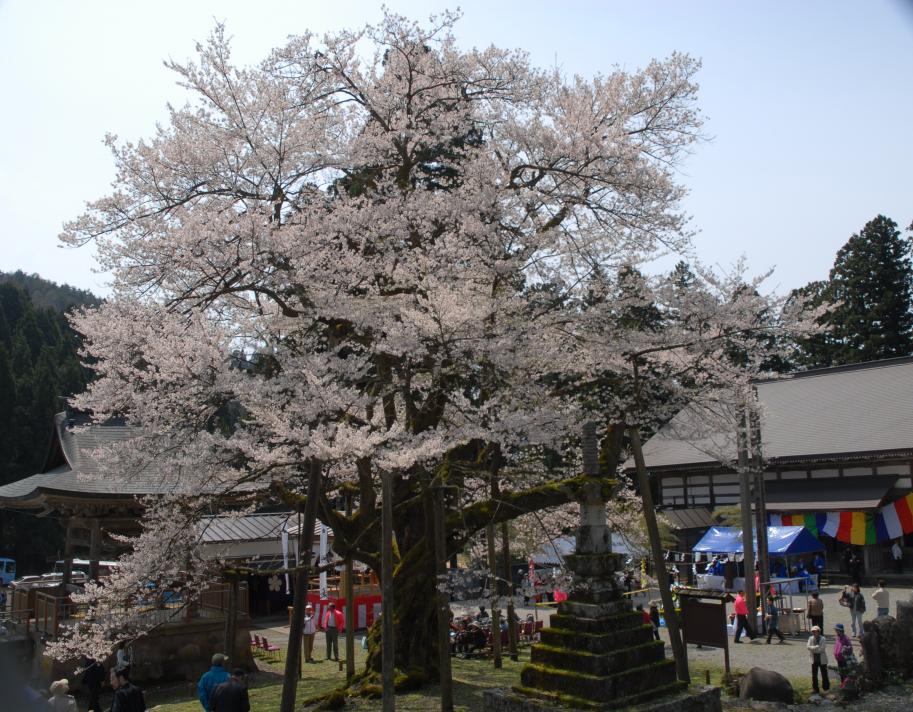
(39, 367)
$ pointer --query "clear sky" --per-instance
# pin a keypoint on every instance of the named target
(809, 105)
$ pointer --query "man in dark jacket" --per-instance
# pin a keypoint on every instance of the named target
(92, 677)
(127, 696)
(231, 695)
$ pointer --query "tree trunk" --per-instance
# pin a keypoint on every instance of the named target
(305, 547)
(388, 609)
(414, 621)
(679, 649)
(443, 613)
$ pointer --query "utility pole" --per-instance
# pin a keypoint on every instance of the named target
(760, 498)
(747, 524)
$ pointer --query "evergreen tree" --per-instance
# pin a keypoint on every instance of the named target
(39, 366)
(870, 294)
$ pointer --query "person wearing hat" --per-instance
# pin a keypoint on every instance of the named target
(61, 700)
(843, 650)
(308, 633)
(211, 679)
(127, 696)
(817, 651)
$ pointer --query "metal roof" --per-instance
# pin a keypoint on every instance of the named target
(682, 519)
(842, 413)
(248, 527)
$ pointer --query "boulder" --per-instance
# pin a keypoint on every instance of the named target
(765, 686)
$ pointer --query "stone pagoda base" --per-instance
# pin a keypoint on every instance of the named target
(597, 652)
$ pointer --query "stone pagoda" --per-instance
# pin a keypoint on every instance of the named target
(597, 652)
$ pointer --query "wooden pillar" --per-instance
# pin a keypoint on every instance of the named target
(67, 557)
(94, 548)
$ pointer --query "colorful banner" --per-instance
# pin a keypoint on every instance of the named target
(858, 528)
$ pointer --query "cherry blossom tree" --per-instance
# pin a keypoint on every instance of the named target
(421, 253)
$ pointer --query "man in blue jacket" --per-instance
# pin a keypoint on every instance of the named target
(211, 679)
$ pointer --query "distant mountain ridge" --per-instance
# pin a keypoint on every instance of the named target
(47, 294)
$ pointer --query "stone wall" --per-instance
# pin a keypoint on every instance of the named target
(175, 651)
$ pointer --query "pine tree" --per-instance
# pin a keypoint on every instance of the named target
(870, 292)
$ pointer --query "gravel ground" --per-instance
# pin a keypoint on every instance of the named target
(791, 657)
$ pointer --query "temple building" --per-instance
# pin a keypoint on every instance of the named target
(837, 450)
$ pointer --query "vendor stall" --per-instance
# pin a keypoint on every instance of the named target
(782, 542)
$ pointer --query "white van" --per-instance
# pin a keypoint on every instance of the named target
(105, 568)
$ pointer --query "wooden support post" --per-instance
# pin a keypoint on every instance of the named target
(493, 586)
(231, 617)
(350, 606)
(679, 649)
(386, 594)
(512, 632)
(293, 651)
(443, 601)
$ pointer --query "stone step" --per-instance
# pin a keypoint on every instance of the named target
(599, 688)
(608, 624)
(594, 664)
(597, 642)
(594, 610)
(564, 701)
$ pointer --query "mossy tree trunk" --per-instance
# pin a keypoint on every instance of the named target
(414, 595)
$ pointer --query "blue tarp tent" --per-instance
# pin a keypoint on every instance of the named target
(781, 541)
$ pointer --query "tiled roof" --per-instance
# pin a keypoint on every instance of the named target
(80, 473)
(837, 413)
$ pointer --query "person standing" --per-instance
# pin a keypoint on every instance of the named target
(93, 676)
(815, 610)
(127, 696)
(856, 568)
(231, 695)
(654, 618)
(882, 599)
(818, 566)
(857, 608)
(843, 651)
(332, 623)
(211, 679)
(773, 620)
(897, 555)
(817, 650)
(308, 633)
(741, 614)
